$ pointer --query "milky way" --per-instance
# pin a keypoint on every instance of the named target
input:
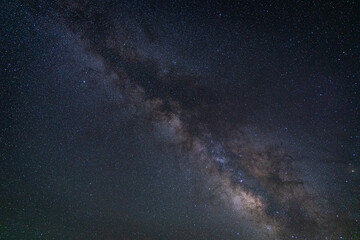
(179, 121)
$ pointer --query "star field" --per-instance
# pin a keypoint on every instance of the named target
(180, 120)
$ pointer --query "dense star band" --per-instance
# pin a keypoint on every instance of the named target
(179, 121)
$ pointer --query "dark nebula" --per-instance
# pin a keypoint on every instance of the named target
(180, 120)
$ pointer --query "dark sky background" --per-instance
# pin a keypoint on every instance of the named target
(180, 120)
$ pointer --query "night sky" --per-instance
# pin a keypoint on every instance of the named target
(180, 120)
